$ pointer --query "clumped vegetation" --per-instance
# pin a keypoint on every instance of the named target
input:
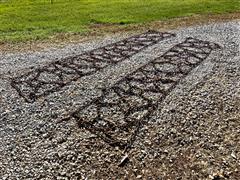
(37, 19)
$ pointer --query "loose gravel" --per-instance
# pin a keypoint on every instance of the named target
(192, 134)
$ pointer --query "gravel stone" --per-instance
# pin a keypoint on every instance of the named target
(192, 134)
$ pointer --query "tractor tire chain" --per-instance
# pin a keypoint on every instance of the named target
(54, 76)
(119, 113)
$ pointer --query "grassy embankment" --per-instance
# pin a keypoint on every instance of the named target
(22, 20)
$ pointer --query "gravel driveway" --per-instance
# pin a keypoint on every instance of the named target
(160, 105)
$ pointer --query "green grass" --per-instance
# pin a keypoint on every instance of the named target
(22, 20)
